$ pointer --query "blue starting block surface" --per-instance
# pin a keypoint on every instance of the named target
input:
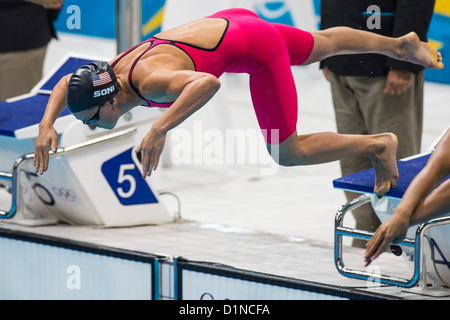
(69, 66)
(364, 181)
(23, 112)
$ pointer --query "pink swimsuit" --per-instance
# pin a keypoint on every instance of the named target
(266, 51)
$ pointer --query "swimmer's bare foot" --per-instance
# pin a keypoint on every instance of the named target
(418, 52)
(385, 163)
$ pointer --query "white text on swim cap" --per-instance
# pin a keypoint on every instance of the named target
(103, 92)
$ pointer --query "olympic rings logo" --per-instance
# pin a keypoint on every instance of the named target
(65, 194)
(43, 194)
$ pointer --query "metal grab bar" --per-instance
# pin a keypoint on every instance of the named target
(15, 176)
(5, 175)
(417, 244)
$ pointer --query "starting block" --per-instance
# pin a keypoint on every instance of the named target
(94, 178)
(426, 247)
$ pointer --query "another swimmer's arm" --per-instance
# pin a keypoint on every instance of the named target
(436, 170)
(192, 90)
(419, 203)
(415, 207)
(48, 136)
(434, 206)
(418, 193)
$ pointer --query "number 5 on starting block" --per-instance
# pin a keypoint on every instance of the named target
(126, 180)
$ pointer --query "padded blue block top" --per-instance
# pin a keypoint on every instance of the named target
(28, 111)
(69, 66)
(23, 113)
(364, 181)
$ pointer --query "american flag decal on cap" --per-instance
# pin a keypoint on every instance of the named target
(101, 79)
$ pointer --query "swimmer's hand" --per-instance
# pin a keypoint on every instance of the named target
(151, 148)
(47, 138)
(392, 230)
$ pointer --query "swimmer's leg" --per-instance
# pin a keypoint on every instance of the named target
(325, 147)
(344, 40)
(299, 43)
(274, 98)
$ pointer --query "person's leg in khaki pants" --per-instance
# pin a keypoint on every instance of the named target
(361, 107)
(20, 71)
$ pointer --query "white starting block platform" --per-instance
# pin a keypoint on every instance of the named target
(426, 248)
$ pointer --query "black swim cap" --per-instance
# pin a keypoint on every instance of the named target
(91, 85)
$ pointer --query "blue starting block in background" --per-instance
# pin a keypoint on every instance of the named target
(364, 181)
(20, 116)
(77, 188)
(427, 252)
(26, 111)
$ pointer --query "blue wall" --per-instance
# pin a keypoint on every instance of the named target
(98, 18)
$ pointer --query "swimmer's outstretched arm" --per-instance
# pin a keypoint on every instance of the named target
(191, 89)
(344, 40)
(48, 136)
(419, 204)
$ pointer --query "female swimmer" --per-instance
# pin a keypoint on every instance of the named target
(179, 69)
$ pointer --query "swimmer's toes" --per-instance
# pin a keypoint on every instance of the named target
(383, 189)
(394, 184)
(380, 193)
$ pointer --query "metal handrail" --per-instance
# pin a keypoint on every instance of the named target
(15, 176)
(417, 244)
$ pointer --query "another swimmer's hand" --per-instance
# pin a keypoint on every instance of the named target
(151, 148)
(47, 137)
(392, 230)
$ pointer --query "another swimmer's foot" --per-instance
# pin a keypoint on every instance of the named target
(422, 53)
(384, 162)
